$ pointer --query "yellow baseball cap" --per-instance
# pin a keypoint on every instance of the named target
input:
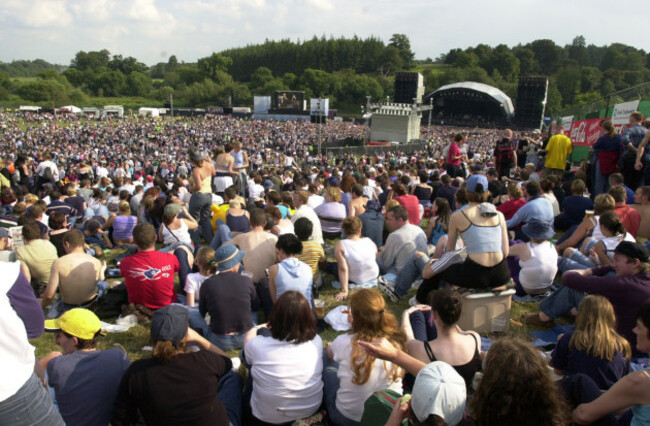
(77, 322)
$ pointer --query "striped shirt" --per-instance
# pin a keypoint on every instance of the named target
(312, 253)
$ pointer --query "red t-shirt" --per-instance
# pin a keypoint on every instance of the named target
(630, 218)
(412, 206)
(149, 278)
(454, 150)
(509, 208)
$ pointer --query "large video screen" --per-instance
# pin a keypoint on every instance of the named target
(289, 100)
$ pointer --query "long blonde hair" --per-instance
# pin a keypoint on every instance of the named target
(370, 321)
(595, 331)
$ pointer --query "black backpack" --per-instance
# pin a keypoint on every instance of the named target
(505, 153)
(110, 304)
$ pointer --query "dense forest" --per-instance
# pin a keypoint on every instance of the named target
(343, 69)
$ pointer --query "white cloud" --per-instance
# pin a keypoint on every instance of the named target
(151, 30)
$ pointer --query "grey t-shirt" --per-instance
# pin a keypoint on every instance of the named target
(402, 244)
(85, 384)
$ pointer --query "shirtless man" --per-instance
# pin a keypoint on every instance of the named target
(79, 276)
(357, 206)
(642, 205)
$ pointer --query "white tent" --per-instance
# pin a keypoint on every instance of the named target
(149, 112)
(71, 109)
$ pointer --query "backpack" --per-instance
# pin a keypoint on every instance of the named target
(47, 175)
(110, 304)
(505, 153)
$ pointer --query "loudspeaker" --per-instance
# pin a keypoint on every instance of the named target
(531, 102)
(408, 85)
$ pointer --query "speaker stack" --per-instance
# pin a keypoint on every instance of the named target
(408, 85)
(531, 101)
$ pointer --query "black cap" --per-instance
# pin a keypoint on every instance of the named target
(170, 323)
(632, 251)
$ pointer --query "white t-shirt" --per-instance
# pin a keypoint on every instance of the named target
(16, 353)
(193, 284)
(360, 257)
(350, 397)
(287, 378)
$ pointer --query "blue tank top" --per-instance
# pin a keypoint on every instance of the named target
(239, 158)
(237, 223)
(481, 239)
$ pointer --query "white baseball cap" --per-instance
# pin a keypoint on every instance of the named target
(439, 390)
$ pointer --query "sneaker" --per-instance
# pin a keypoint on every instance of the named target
(388, 289)
(447, 260)
(413, 301)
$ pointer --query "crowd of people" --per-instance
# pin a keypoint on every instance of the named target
(224, 230)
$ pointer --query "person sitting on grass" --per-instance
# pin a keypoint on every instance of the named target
(573, 207)
(533, 265)
(355, 258)
(312, 252)
(594, 348)
(176, 385)
(575, 236)
(193, 282)
(432, 335)
(82, 379)
(438, 226)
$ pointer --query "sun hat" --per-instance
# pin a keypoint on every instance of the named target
(172, 209)
(539, 229)
(77, 322)
(227, 256)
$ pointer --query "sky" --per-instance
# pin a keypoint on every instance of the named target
(152, 30)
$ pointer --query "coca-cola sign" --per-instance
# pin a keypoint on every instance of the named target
(585, 132)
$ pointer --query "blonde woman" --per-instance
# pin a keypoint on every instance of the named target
(594, 348)
(201, 199)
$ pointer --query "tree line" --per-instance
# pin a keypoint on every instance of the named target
(344, 69)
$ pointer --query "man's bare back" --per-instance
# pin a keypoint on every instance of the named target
(78, 275)
(644, 228)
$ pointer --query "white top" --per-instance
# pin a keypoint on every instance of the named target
(193, 284)
(539, 271)
(315, 201)
(360, 257)
(16, 353)
(610, 243)
(596, 233)
(255, 190)
(181, 234)
(287, 378)
(551, 199)
(350, 397)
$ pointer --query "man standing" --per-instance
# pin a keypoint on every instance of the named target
(627, 291)
(78, 276)
(455, 156)
(149, 274)
(642, 205)
(240, 165)
(559, 146)
(84, 380)
(505, 156)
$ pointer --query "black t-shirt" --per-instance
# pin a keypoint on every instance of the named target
(181, 392)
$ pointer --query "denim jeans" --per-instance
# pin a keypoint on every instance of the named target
(225, 342)
(229, 391)
(331, 385)
(30, 405)
(99, 211)
(577, 260)
(200, 204)
(601, 181)
(222, 235)
(59, 308)
(411, 271)
(561, 301)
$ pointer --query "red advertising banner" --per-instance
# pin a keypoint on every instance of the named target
(585, 132)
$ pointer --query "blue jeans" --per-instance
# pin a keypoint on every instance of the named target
(59, 308)
(229, 391)
(561, 301)
(577, 260)
(223, 234)
(30, 405)
(331, 385)
(411, 271)
(601, 185)
(200, 204)
(224, 342)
